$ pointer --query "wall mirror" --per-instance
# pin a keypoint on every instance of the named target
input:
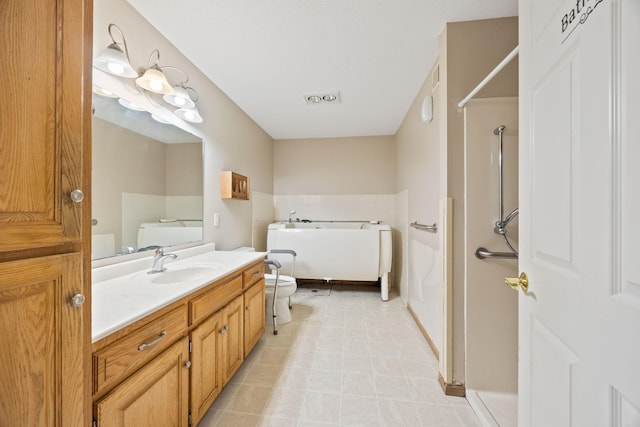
(147, 181)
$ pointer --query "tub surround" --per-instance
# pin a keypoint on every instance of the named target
(124, 293)
(355, 251)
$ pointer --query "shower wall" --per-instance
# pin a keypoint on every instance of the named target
(491, 321)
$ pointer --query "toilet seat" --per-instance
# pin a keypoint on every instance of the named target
(283, 281)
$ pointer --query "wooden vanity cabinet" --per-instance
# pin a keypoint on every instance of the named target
(156, 395)
(131, 387)
(254, 315)
(124, 356)
(232, 338)
(45, 266)
(206, 370)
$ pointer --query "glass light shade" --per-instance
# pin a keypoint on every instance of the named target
(159, 119)
(189, 114)
(154, 81)
(103, 92)
(179, 98)
(130, 105)
(113, 61)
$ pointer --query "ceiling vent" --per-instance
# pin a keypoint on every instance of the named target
(323, 98)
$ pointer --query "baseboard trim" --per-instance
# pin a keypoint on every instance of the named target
(424, 332)
(458, 390)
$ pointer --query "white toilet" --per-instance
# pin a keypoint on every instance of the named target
(286, 287)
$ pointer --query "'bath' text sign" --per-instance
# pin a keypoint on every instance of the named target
(577, 16)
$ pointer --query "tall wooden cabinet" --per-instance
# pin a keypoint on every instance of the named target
(45, 276)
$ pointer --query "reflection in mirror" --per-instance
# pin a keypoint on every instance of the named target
(147, 182)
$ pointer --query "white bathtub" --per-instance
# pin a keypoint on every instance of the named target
(359, 251)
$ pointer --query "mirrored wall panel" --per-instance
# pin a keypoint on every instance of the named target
(147, 181)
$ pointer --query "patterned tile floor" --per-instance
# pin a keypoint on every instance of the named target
(346, 359)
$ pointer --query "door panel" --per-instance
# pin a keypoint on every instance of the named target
(41, 360)
(41, 144)
(154, 396)
(552, 150)
(579, 207)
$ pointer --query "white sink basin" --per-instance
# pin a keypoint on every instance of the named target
(177, 274)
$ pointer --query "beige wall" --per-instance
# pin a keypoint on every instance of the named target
(335, 178)
(184, 169)
(491, 307)
(232, 140)
(473, 50)
(418, 179)
(362, 165)
(430, 167)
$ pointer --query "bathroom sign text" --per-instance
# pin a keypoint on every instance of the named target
(578, 15)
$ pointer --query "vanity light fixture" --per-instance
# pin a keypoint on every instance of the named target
(179, 98)
(130, 105)
(159, 119)
(153, 83)
(113, 59)
(103, 92)
(189, 114)
(153, 78)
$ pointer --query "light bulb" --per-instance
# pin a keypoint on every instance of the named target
(115, 68)
(155, 84)
(189, 115)
(179, 100)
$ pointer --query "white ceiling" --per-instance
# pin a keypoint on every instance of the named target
(266, 54)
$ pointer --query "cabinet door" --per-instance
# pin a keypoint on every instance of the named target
(45, 120)
(157, 395)
(233, 342)
(41, 356)
(206, 372)
(254, 300)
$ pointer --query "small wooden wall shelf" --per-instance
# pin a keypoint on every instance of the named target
(234, 186)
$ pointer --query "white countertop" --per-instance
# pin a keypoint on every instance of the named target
(124, 293)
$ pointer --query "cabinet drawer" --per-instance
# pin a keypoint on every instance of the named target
(213, 300)
(252, 274)
(114, 362)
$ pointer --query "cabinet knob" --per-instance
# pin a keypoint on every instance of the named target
(187, 364)
(77, 300)
(77, 196)
(248, 308)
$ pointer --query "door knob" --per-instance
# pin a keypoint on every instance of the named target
(76, 196)
(77, 300)
(521, 282)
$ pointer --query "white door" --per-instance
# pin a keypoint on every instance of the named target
(579, 324)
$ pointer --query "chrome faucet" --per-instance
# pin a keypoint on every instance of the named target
(158, 261)
(291, 213)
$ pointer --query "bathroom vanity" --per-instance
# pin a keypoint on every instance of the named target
(165, 344)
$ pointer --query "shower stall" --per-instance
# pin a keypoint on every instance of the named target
(491, 230)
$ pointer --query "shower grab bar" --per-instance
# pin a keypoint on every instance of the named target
(483, 253)
(431, 228)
